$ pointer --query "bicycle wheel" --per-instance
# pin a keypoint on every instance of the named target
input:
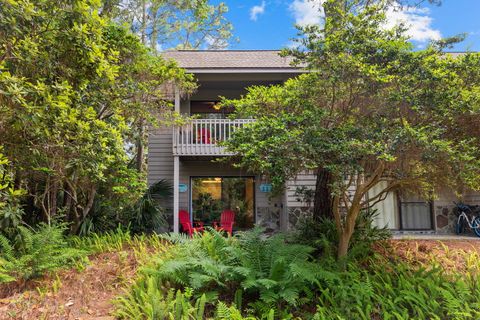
(460, 226)
(476, 226)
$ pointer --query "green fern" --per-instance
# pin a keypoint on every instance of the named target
(36, 252)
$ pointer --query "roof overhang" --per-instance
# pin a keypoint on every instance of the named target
(246, 70)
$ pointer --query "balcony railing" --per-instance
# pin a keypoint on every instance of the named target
(202, 136)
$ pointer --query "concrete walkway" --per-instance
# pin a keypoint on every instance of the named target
(413, 236)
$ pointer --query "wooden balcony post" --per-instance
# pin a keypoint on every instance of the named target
(202, 136)
(176, 170)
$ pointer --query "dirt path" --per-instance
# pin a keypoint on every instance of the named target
(72, 294)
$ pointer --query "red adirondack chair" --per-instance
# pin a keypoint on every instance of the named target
(227, 219)
(203, 136)
(184, 218)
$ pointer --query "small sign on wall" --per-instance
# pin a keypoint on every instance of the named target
(266, 187)
(182, 187)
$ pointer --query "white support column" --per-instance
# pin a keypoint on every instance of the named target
(284, 218)
(176, 173)
(176, 183)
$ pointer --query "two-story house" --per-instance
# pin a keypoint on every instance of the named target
(186, 156)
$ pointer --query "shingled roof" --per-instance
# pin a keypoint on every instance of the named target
(230, 59)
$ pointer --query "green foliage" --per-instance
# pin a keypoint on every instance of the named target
(186, 24)
(148, 300)
(206, 208)
(225, 312)
(252, 276)
(264, 273)
(153, 302)
(146, 215)
(323, 236)
(366, 234)
(372, 112)
(11, 212)
(113, 240)
(397, 291)
(74, 88)
(35, 252)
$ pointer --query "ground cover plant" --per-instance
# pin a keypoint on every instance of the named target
(35, 252)
(263, 277)
(81, 286)
(252, 276)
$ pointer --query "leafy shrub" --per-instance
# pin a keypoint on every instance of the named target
(151, 301)
(254, 275)
(35, 252)
(366, 233)
(146, 215)
(249, 270)
(323, 236)
(397, 291)
(281, 274)
(108, 241)
(11, 212)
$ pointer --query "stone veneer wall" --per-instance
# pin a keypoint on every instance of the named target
(445, 218)
(444, 212)
(269, 218)
(295, 213)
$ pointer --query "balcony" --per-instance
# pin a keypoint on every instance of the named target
(202, 136)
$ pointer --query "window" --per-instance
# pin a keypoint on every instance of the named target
(212, 195)
(415, 213)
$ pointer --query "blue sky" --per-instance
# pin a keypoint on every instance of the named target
(269, 24)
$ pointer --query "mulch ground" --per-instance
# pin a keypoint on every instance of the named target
(71, 294)
(452, 255)
(88, 294)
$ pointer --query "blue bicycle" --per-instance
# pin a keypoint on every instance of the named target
(464, 221)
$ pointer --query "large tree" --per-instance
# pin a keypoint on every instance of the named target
(70, 83)
(167, 24)
(371, 112)
(170, 24)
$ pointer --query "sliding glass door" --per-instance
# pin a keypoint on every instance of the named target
(212, 195)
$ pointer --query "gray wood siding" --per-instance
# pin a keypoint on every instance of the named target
(307, 179)
(160, 156)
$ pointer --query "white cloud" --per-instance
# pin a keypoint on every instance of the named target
(307, 12)
(255, 11)
(417, 21)
(214, 43)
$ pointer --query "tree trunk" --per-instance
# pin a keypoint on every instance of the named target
(140, 147)
(348, 228)
(323, 199)
(79, 217)
(343, 244)
(54, 198)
